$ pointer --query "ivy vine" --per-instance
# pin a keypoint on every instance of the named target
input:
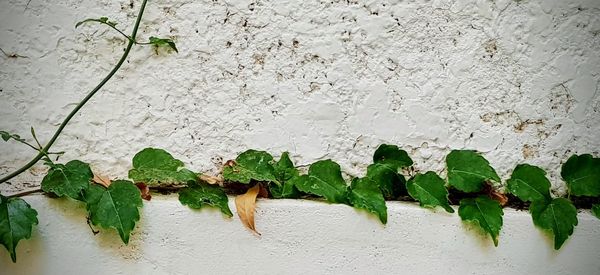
(470, 177)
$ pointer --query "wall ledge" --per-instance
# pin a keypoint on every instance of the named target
(298, 236)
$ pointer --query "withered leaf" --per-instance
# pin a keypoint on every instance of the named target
(245, 205)
(102, 180)
(144, 190)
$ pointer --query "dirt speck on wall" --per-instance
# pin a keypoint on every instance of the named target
(515, 80)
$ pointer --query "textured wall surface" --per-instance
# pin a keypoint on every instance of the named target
(516, 80)
(320, 239)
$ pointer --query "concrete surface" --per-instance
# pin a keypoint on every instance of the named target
(298, 237)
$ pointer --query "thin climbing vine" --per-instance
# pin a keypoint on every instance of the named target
(470, 179)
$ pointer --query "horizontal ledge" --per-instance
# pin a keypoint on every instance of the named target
(298, 236)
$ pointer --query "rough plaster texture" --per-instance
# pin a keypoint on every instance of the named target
(516, 80)
(298, 237)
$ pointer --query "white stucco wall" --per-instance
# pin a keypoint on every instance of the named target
(298, 237)
(516, 80)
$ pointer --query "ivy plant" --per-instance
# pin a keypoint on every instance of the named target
(73, 178)
(115, 204)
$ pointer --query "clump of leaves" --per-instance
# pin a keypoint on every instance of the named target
(387, 160)
(470, 172)
(73, 179)
(284, 172)
(559, 216)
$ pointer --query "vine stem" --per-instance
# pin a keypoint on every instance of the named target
(46, 148)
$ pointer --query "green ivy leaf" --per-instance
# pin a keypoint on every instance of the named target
(392, 155)
(284, 169)
(558, 216)
(114, 207)
(529, 183)
(468, 171)
(198, 195)
(484, 212)
(582, 174)
(324, 179)
(251, 165)
(68, 180)
(596, 210)
(284, 172)
(387, 178)
(101, 20)
(163, 42)
(429, 190)
(365, 194)
(16, 222)
(5, 135)
(156, 166)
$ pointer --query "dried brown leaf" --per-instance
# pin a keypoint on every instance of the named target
(245, 205)
(211, 179)
(499, 197)
(230, 163)
(145, 190)
(263, 192)
(102, 180)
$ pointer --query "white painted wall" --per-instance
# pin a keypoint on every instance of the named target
(516, 80)
(298, 237)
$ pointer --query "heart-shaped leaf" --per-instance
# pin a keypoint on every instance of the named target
(16, 221)
(251, 165)
(364, 193)
(198, 195)
(156, 166)
(484, 212)
(582, 174)
(114, 207)
(529, 183)
(429, 190)
(392, 155)
(324, 179)
(468, 171)
(68, 180)
(558, 216)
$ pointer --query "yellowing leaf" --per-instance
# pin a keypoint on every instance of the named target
(245, 205)
(102, 180)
